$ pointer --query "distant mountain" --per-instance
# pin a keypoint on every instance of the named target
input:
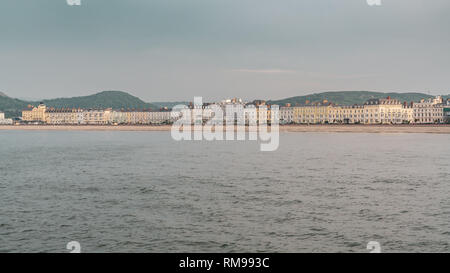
(107, 99)
(12, 107)
(350, 97)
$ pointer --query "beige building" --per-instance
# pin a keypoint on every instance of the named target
(64, 116)
(94, 116)
(139, 117)
(264, 112)
(346, 114)
(159, 117)
(35, 114)
(386, 111)
(314, 113)
(376, 111)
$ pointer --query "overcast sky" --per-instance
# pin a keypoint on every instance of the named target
(177, 49)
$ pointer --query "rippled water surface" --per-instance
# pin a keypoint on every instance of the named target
(144, 192)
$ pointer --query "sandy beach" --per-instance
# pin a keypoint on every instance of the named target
(433, 129)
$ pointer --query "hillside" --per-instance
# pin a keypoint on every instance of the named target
(107, 99)
(12, 107)
(350, 97)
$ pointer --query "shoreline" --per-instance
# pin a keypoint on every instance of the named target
(352, 128)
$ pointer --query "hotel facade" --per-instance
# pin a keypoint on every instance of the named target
(34, 114)
(374, 111)
(45, 115)
(430, 110)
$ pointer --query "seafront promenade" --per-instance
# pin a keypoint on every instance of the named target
(432, 128)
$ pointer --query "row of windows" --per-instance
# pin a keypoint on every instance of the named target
(428, 110)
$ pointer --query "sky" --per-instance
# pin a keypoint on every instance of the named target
(173, 50)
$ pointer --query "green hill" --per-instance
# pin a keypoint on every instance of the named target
(12, 107)
(107, 99)
(350, 97)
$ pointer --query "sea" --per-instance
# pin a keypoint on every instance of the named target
(114, 191)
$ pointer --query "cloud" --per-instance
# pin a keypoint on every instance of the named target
(265, 71)
(307, 74)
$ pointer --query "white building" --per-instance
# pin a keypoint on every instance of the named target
(118, 117)
(429, 111)
(4, 121)
(94, 117)
(159, 117)
(387, 111)
(286, 115)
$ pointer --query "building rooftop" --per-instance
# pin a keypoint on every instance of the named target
(386, 101)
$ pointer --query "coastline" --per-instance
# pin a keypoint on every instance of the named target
(430, 129)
